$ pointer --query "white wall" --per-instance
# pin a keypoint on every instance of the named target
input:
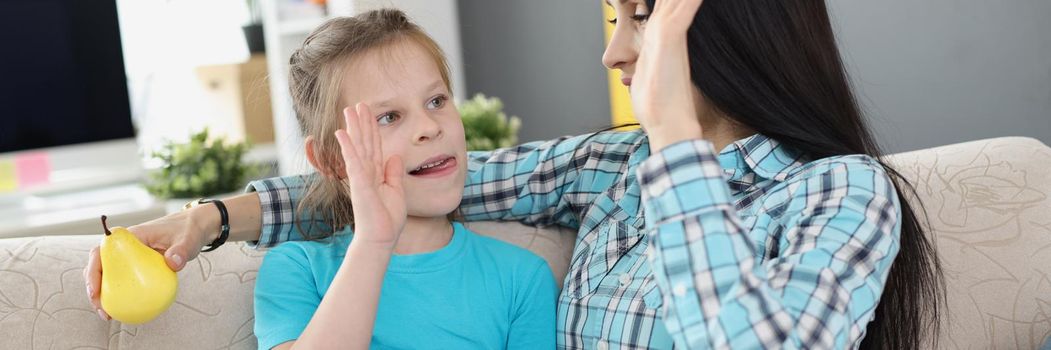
(935, 72)
(182, 77)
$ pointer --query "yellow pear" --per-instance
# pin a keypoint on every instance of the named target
(137, 285)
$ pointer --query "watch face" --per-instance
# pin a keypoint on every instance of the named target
(193, 203)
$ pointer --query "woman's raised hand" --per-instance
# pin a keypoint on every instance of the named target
(662, 94)
(375, 186)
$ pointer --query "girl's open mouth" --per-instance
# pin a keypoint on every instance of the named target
(438, 168)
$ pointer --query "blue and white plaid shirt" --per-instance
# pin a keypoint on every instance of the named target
(753, 247)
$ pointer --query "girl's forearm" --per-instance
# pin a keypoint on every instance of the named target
(347, 312)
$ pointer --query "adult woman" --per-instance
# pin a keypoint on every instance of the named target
(785, 238)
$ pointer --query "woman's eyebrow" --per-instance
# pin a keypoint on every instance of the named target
(621, 2)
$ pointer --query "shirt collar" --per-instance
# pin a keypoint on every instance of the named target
(761, 155)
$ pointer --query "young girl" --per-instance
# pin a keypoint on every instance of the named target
(406, 277)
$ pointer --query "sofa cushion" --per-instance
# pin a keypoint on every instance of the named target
(43, 303)
(988, 204)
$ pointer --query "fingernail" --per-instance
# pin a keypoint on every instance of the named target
(177, 259)
(102, 315)
(88, 287)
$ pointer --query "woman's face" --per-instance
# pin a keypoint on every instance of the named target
(623, 49)
(622, 53)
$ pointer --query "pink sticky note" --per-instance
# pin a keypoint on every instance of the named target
(33, 168)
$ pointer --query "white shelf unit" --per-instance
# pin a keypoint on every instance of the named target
(300, 26)
(283, 36)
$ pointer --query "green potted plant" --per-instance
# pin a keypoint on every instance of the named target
(202, 167)
(485, 125)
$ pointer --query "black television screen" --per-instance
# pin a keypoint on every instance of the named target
(62, 78)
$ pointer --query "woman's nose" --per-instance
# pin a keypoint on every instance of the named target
(621, 49)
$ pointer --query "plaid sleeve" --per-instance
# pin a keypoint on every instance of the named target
(278, 197)
(546, 182)
(841, 228)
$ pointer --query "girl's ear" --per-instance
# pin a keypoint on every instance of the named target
(330, 169)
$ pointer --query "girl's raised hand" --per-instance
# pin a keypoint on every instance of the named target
(376, 192)
(662, 93)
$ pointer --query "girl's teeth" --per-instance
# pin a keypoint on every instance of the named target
(428, 166)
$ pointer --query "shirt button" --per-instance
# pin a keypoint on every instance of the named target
(625, 280)
(602, 345)
(680, 290)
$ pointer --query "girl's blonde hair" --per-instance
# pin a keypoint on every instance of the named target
(315, 75)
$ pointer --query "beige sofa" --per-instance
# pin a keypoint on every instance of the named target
(987, 202)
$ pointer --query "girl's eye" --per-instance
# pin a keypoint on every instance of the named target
(437, 102)
(387, 119)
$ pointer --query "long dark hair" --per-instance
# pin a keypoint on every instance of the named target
(774, 67)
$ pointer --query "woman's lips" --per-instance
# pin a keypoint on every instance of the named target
(626, 81)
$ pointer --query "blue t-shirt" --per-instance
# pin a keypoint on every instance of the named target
(474, 293)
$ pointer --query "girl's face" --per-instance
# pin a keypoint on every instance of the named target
(408, 98)
(623, 49)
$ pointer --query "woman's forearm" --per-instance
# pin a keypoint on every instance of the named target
(347, 313)
(245, 218)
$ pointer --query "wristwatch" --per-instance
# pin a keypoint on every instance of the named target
(224, 218)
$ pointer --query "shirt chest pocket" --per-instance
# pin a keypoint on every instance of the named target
(601, 258)
(631, 281)
(613, 263)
